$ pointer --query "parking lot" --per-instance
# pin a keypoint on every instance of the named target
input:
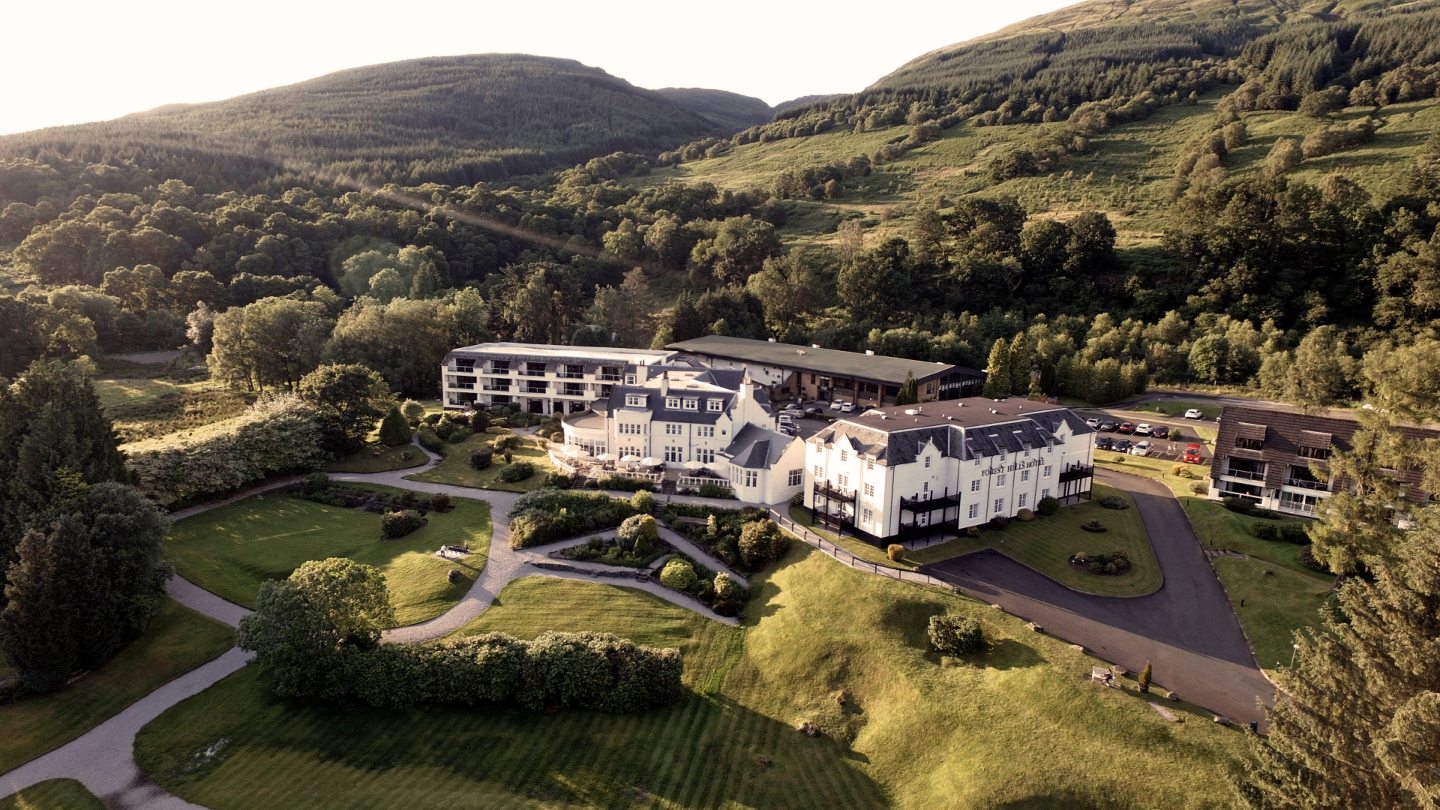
(1181, 432)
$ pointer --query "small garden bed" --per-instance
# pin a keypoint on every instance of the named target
(550, 515)
(719, 591)
(608, 550)
(721, 532)
(1112, 564)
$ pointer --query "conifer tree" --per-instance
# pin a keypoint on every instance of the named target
(1021, 363)
(394, 430)
(997, 370)
(909, 392)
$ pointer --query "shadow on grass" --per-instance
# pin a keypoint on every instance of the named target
(1007, 653)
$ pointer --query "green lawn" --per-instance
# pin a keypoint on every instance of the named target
(1020, 729)
(455, 467)
(178, 641)
(1046, 544)
(232, 549)
(54, 794)
(378, 458)
(854, 545)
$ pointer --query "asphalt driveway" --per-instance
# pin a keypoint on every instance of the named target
(1186, 630)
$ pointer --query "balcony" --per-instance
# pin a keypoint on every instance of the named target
(1248, 475)
(497, 370)
(537, 389)
(470, 386)
(929, 503)
(532, 373)
(1307, 483)
(570, 375)
(824, 490)
(573, 391)
(1076, 472)
(495, 387)
(609, 378)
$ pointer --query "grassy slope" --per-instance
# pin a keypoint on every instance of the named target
(1022, 729)
(1127, 171)
(178, 641)
(455, 467)
(1280, 594)
(231, 550)
(53, 794)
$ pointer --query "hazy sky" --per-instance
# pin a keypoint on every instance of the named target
(69, 62)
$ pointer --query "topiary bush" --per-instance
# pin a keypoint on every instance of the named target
(398, 524)
(514, 473)
(1048, 506)
(439, 502)
(643, 501)
(482, 459)
(509, 441)
(394, 430)
(479, 421)
(727, 589)
(678, 574)
(412, 411)
(956, 635)
(430, 440)
(639, 532)
(1024, 515)
(1114, 502)
(895, 552)
(458, 434)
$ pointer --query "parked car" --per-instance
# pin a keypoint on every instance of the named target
(793, 411)
(1121, 446)
(786, 419)
(1104, 443)
(1142, 429)
(847, 407)
(1140, 449)
(837, 404)
(1160, 432)
(1192, 455)
(1194, 413)
(1126, 428)
(1092, 422)
(789, 429)
(1108, 426)
(814, 410)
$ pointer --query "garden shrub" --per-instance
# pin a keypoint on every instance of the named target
(482, 459)
(556, 480)
(999, 522)
(439, 502)
(430, 440)
(509, 441)
(643, 501)
(1048, 506)
(499, 422)
(956, 635)
(394, 430)
(727, 607)
(1114, 502)
(678, 574)
(548, 515)
(1264, 530)
(1112, 564)
(639, 532)
(412, 411)
(1199, 487)
(1024, 515)
(519, 471)
(1307, 559)
(1296, 533)
(458, 434)
(972, 531)
(479, 421)
(398, 524)
(620, 482)
(716, 491)
(1246, 507)
(895, 552)
(761, 543)
(725, 588)
(314, 482)
(431, 419)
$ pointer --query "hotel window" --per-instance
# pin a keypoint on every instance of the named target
(1249, 444)
(927, 462)
(629, 379)
(868, 515)
(1024, 475)
(796, 476)
(999, 505)
(975, 486)
(675, 454)
(705, 455)
(1313, 452)
(1000, 480)
(869, 465)
(692, 404)
(844, 481)
(1049, 470)
(1045, 493)
(751, 477)
(844, 456)
(674, 430)
(925, 487)
(1021, 501)
(818, 473)
(714, 405)
(672, 403)
(706, 432)
(974, 510)
(869, 490)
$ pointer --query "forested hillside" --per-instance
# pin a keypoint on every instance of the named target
(451, 119)
(730, 112)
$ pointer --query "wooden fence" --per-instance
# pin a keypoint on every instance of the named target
(811, 538)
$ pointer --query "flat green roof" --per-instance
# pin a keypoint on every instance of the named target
(830, 362)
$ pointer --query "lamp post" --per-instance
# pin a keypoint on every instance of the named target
(1293, 648)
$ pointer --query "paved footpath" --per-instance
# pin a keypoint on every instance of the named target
(1187, 629)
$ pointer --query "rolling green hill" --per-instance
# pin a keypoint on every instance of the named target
(730, 112)
(454, 119)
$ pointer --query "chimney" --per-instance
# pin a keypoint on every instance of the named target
(744, 393)
(664, 383)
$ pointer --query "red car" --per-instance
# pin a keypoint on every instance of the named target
(1192, 455)
(1126, 427)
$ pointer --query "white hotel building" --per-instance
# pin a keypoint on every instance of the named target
(537, 378)
(903, 471)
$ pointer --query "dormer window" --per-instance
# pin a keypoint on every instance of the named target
(714, 405)
(672, 403)
(635, 400)
(692, 404)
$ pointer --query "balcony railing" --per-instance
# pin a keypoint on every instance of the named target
(1249, 475)
(1306, 483)
(572, 392)
(824, 490)
(532, 373)
(463, 386)
(497, 370)
(489, 387)
(1075, 472)
(570, 375)
(1297, 507)
(537, 389)
(929, 503)
(609, 378)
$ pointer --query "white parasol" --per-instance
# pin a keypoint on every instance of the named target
(651, 461)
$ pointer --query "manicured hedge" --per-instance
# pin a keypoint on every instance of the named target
(276, 435)
(548, 515)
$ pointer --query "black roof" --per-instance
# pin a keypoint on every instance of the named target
(897, 434)
(831, 362)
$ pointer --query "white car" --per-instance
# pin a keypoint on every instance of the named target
(847, 407)
(1092, 422)
(1140, 449)
(1142, 429)
(1194, 413)
(786, 419)
(837, 404)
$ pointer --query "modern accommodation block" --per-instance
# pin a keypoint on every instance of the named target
(902, 471)
(1280, 459)
(789, 371)
(537, 378)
